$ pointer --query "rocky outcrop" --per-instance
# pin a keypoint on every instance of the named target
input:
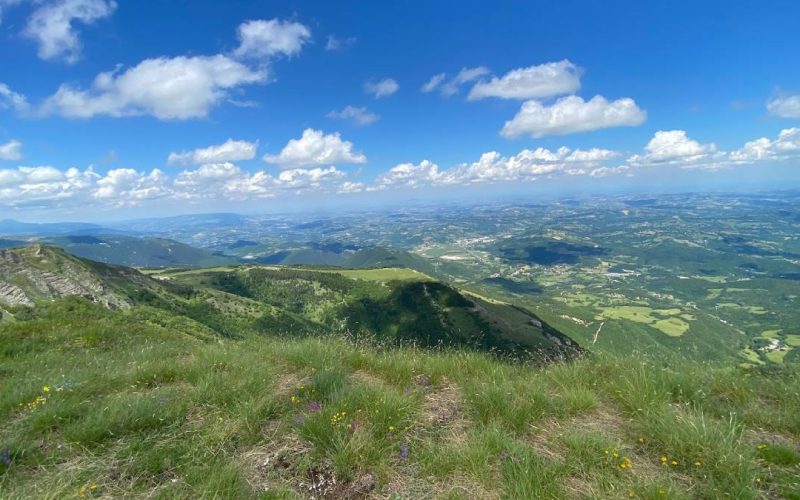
(12, 295)
(44, 273)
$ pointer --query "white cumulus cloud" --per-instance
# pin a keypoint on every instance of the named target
(11, 99)
(534, 82)
(525, 166)
(674, 147)
(228, 151)
(183, 87)
(787, 106)
(528, 165)
(351, 187)
(11, 151)
(360, 116)
(316, 148)
(786, 145)
(409, 175)
(433, 83)
(307, 178)
(381, 88)
(572, 114)
(269, 38)
(125, 186)
(52, 26)
(44, 186)
(176, 88)
(452, 86)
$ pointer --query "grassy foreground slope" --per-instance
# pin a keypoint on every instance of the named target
(132, 402)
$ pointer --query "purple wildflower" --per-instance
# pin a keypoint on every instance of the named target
(314, 406)
(7, 457)
(404, 450)
(353, 426)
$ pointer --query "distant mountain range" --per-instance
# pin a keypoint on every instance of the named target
(10, 227)
(128, 250)
(133, 244)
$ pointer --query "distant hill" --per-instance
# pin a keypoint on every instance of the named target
(198, 221)
(386, 257)
(348, 257)
(11, 227)
(137, 252)
(303, 256)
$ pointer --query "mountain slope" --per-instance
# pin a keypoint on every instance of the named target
(38, 275)
(390, 305)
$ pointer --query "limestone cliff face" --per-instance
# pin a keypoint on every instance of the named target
(37, 273)
(13, 295)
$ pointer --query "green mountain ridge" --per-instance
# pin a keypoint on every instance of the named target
(390, 305)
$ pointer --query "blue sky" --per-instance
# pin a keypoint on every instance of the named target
(285, 105)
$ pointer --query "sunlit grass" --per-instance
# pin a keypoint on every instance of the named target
(120, 403)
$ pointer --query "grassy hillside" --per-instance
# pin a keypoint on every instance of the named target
(145, 403)
(396, 305)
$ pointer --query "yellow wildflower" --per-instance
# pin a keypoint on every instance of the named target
(391, 428)
(641, 440)
(626, 463)
(46, 388)
(674, 462)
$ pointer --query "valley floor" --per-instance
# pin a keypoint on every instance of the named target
(106, 404)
